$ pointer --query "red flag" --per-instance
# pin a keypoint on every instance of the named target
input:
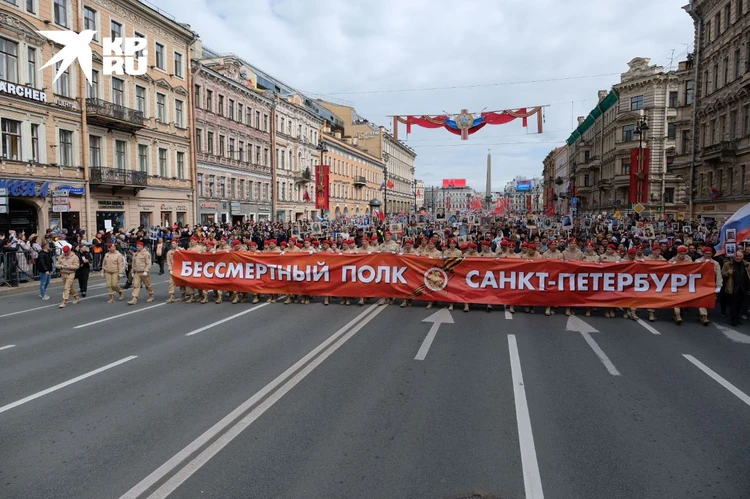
(306, 196)
(390, 184)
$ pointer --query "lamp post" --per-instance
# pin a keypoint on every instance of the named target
(640, 130)
(573, 196)
(415, 196)
(386, 157)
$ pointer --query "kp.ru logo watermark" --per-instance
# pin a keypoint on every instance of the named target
(121, 56)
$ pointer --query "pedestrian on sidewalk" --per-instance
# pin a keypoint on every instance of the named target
(45, 268)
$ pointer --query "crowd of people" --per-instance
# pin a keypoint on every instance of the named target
(132, 254)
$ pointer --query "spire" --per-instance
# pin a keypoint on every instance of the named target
(488, 188)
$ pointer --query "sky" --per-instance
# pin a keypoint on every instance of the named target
(387, 57)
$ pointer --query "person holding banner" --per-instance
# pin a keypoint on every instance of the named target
(736, 274)
(707, 257)
(610, 256)
(680, 257)
(431, 251)
(169, 260)
(655, 255)
(272, 248)
(408, 249)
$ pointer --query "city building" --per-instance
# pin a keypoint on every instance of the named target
(721, 77)
(525, 195)
(637, 115)
(453, 196)
(420, 194)
(232, 143)
(137, 139)
(376, 140)
(355, 176)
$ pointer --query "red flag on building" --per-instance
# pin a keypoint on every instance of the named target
(322, 187)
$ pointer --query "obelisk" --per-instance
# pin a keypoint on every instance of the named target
(488, 188)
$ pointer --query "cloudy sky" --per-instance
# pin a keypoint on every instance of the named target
(382, 57)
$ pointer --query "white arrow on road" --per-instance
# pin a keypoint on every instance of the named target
(442, 316)
(581, 326)
(733, 335)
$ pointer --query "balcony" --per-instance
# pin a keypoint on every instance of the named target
(110, 115)
(360, 182)
(118, 179)
(721, 151)
(303, 176)
(622, 180)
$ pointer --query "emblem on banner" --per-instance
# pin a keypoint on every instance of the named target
(435, 279)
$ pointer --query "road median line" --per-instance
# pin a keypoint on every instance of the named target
(304, 365)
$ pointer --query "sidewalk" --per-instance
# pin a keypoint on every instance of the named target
(57, 282)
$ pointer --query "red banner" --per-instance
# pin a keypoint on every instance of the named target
(639, 175)
(322, 187)
(507, 281)
(528, 203)
(454, 182)
(550, 204)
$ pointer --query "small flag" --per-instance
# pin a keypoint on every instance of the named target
(391, 185)
(382, 186)
(306, 196)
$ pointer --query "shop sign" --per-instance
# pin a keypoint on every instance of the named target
(210, 206)
(235, 206)
(25, 188)
(708, 207)
(73, 191)
(66, 104)
(25, 92)
(146, 206)
(109, 203)
(182, 207)
(263, 208)
(166, 207)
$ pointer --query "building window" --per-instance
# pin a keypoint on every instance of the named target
(115, 30)
(627, 133)
(35, 142)
(62, 85)
(733, 124)
(89, 19)
(30, 7)
(257, 119)
(242, 194)
(60, 12)
(199, 139)
(737, 59)
(139, 53)
(689, 92)
(745, 119)
(199, 184)
(730, 178)
(211, 183)
(669, 195)
(265, 156)
(9, 60)
(11, 134)
(242, 150)
(178, 113)
(160, 59)
(222, 187)
(220, 105)
(210, 138)
(31, 54)
(727, 15)
(143, 158)
(716, 77)
(231, 148)
(95, 151)
(221, 145)
(636, 103)
(250, 187)
(265, 122)
(118, 91)
(231, 109)
(178, 64)
(163, 163)
(92, 89)
(161, 114)
(120, 154)
(197, 96)
(232, 187)
(586, 180)
(673, 101)
(140, 99)
(671, 131)
(712, 126)
(739, 9)
(717, 22)
(257, 155)
(239, 112)
(249, 117)
(180, 165)
(625, 167)
(209, 100)
(726, 70)
(705, 83)
(685, 141)
(722, 127)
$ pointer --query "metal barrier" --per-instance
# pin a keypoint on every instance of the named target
(17, 267)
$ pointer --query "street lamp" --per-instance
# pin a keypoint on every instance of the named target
(386, 157)
(573, 196)
(640, 130)
(415, 196)
(323, 149)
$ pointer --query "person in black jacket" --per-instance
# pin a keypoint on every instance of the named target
(82, 274)
(45, 268)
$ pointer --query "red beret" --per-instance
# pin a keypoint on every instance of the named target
(284, 244)
(223, 238)
(253, 244)
(464, 246)
(400, 233)
(388, 233)
(298, 245)
(408, 241)
(293, 240)
(572, 240)
(315, 243)
(708, 249)
(271, 241)
(193, 238)
(487, 243)
(656, 247)
(532, 246)
(307, 239)
(139, 243)
(326, 241)
(66, 249)
(632, 251)
(373, 239)
(504, 243)
(208, 243)
(524, 244)
(682, 249)
(473, 245)
(453, 241)
(236, 242)
(611, 246)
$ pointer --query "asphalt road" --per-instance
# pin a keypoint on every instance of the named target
(300, 401)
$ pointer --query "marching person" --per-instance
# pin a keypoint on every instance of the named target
(195, 248)
(67, 264)
(654, 256)
(736, 274)
(169, 261)
(553, 254)
(719, 280)
(431, 251)
(113, 267)
(680, 257)
(408, 249)
(272, 248)
(84, 269)
(634, 255)
(141, 273)
(610, 256)
(389, 245)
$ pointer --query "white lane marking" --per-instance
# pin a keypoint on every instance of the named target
(531, 480)
(600, 353)
(422, 353)
(209, 434)
(648, 326)
(6, 347)
(726, 384)
(733, 335)
(508, 315)
(226, 319)
(201, 459)
(57, 304)
(137, 310)
(65, 383)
